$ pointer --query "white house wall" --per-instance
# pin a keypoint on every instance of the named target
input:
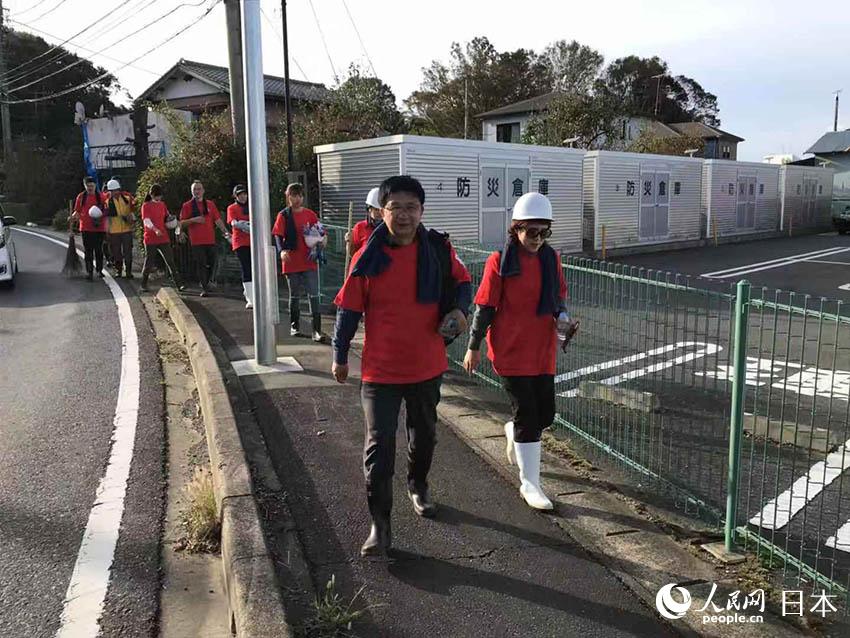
(347, 176)
(109, 131)
(180, 88)
(488, 127)
(617, 206)
(720, 202)
(792, 193)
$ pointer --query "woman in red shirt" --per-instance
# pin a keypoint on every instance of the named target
(156, 222)
(240, 225)
(521, 302)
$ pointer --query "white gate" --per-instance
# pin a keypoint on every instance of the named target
(654, 218)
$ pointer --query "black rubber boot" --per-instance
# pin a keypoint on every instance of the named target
(294, 319)
(422, 503)
(380, 499)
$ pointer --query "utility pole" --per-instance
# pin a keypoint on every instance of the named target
(234, 55)
(263, 259)
(286, 100)
(465, 109)
(5, 119)
(835, 125)
(657, 91)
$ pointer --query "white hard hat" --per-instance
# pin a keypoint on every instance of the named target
(372, 198)
(95, 212)
(532, 206)
(171, 223)
(113, 185)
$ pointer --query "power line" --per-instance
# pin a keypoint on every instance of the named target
(61, 44)
(280, 37)
(49, 11)
(362, 45)
(36, 5)
(121, 40)
(126, 64)
(87, 50)
(324, 42)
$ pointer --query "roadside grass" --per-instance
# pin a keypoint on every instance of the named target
(333, 617)
(202, 528)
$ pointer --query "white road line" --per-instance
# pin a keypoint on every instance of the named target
(744, 270)
(779, 511)
(707, 348)
(83, 604)
(841, 539)
(823, 261)
(812, 254)
(844, 287)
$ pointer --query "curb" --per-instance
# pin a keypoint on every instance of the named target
(256, 606)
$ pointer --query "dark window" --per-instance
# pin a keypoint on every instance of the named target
(507, 132)
(677, 188)
(820, 189)
(761, 189)
(727, 152)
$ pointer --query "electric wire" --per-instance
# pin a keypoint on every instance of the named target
(362, 44)
(324, 42)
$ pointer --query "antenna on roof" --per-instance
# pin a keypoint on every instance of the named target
(835, 124)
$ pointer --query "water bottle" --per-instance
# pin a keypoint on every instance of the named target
(563, 326)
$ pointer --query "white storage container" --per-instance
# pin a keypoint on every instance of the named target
(740, 198)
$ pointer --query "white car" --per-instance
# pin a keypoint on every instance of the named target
(8, 258)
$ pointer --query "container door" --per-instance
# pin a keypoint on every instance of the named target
(751, 202)
(646, 223)
(493, 203)
(741, 203)
(662, 205)
(810, 201)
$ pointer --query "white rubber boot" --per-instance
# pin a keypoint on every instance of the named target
(248, 289)
(528, 459)
(509, 443)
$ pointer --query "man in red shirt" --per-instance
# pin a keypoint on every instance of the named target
(362, 230)
(92, 227)
(302, 273)
(200, 216)
(415, 293)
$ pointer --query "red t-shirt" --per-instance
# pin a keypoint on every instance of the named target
(402, 344)
(239, 238)
(156, 212)
(81, 207)
(520, 342)
(298, 260)
(360, 235)
(201, 234)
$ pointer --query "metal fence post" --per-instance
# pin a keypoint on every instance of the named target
(736, 419)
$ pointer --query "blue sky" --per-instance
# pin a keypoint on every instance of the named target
(773, 65)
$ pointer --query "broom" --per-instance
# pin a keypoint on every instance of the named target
(72, 266)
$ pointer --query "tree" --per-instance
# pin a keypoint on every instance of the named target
(478, 78)
(52, 120)
(572, 67)
(591, 117)
(646, 142)
(632, 81)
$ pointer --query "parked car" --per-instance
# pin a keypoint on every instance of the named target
(8, 258)
(841, 216)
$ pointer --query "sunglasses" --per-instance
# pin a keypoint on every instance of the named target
(534, 233)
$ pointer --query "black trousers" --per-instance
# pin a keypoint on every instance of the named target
(93, 247)
(121, 250)
(532, 404)
(381, 406)
(244, 255)
(205, 258)
(165, 253)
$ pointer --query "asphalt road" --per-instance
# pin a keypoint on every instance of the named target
(486, 566)
(60, 366)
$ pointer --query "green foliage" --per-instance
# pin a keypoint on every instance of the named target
(60, 220)
(478, 72)
(646, 142)
(332, 615)
(44, 177)
(573, 67)
(51, 122)
(590, 117)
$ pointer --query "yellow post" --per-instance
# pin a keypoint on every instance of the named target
(604, 248)
(791, 225)
(347, 243)
(714, 232)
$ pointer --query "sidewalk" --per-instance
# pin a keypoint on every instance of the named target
(486, 566)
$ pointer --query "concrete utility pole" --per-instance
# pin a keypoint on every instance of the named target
(286, 99)
(234, 55)
(835, 125)
(264, 271)
(5, 119)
